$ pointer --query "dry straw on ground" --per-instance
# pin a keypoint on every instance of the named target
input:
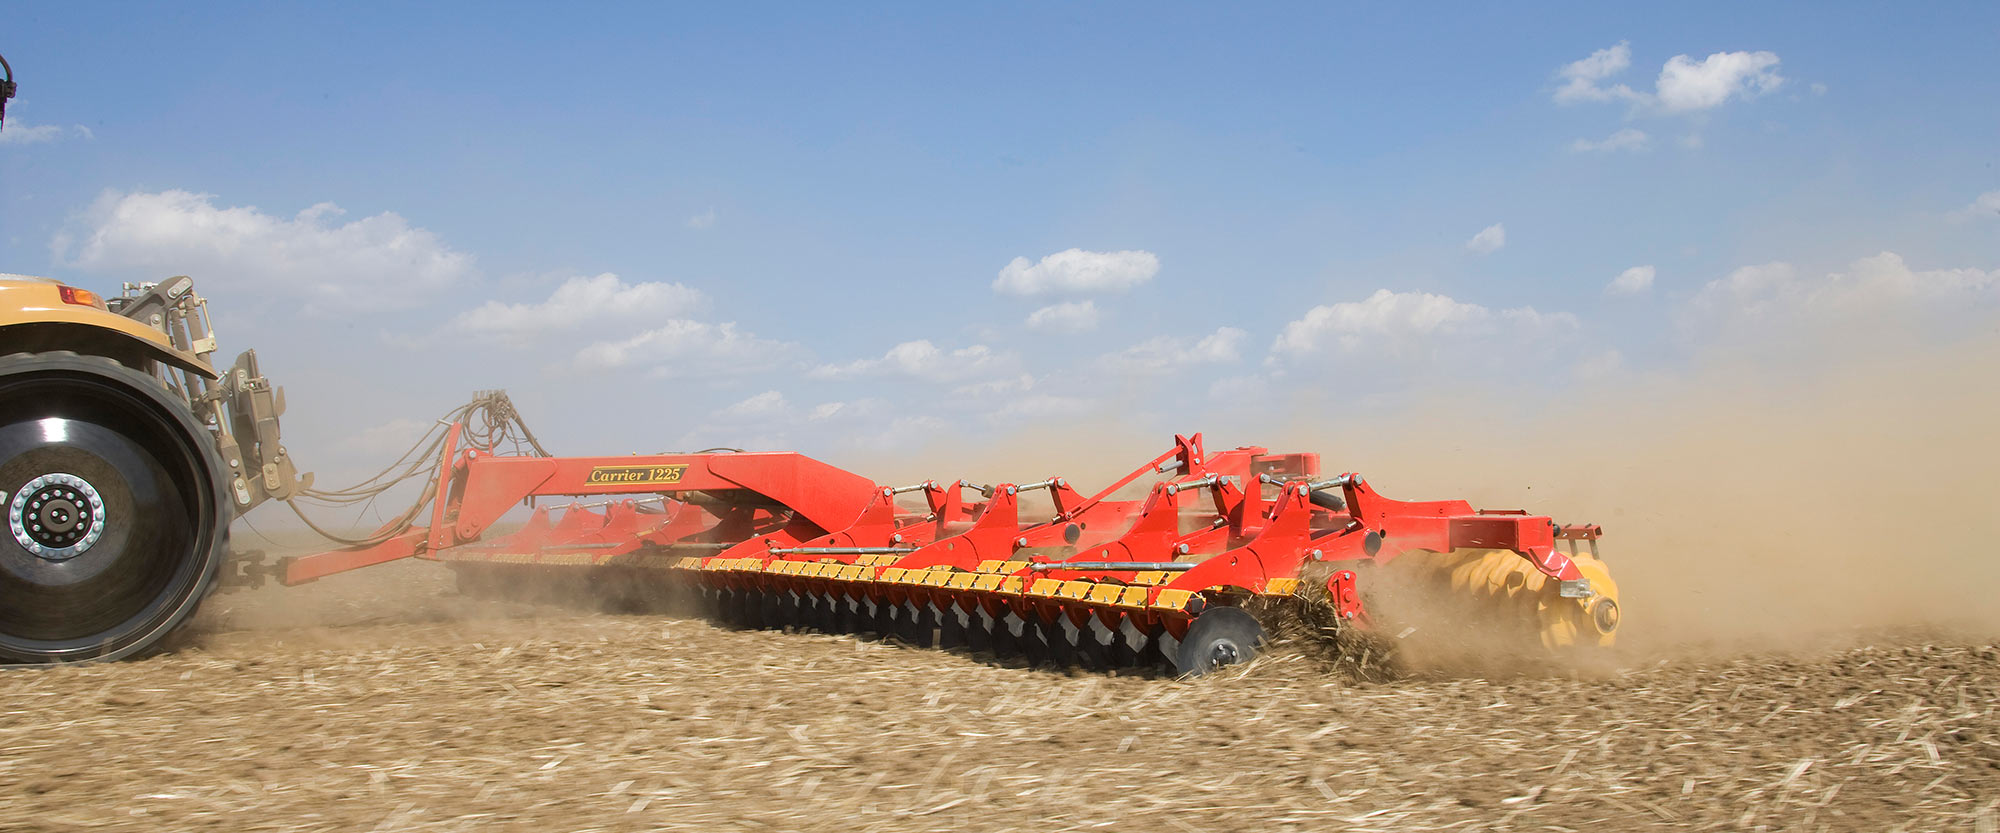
(406, 707)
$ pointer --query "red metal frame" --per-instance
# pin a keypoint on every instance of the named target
(478, 488)
(1216, 528)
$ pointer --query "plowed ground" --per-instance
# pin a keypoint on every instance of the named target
(383, 701)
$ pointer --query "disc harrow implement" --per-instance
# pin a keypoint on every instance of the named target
(1187, 562)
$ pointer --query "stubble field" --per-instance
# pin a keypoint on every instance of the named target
(385, 701)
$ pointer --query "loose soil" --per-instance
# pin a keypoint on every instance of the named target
(384, 701)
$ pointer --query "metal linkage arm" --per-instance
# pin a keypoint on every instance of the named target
(1445, 525)
(474, 489)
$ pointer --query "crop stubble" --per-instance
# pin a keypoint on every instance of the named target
(383, 702)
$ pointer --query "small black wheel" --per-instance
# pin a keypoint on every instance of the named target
(116, 510)
(1220, 636)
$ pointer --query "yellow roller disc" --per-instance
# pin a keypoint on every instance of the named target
(1495, 598)
(1591, 621)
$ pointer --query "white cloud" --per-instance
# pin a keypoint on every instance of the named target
(1220, 346)
(704, 220)
(1067, 317)
(16, 133)
(1237, 390)
(22, 134)
(1749, 288)
(1407, 323)
(376, 262)
(1627, 139)
(1599, 367)
(921, 360)
(769, 420)
(1077, 271)
(1166, 353)
(764, 406)
(828, 410)
(580, 301)
(1009, 385)
(1985, 207)
(897, 433)
(1873, 291)
(1489, 239)
(1631, 281)
(1684, 85)
(1580, 77)
(683, 348)
(1042, 406)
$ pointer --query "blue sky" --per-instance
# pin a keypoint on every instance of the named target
(792, 225)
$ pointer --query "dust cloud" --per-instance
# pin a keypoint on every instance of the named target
(1742, 508)
(1747, 505)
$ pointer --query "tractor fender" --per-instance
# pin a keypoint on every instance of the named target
(34, 318)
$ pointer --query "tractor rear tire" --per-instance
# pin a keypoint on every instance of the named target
(116, 510)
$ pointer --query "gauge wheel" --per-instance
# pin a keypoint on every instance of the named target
(116, 510)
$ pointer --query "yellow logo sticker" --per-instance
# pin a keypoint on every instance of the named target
(635, 475)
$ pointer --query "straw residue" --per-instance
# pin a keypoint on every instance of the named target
(398, 718)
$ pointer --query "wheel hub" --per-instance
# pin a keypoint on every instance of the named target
(1223, 653)
(1605, 616)
(56, 516)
